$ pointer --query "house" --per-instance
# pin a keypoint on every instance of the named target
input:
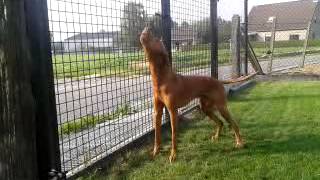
(96, 41)
(292, 19)
(182, 38)
(57, 47)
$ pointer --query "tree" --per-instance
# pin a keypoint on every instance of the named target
(202, 29)
(224, 30)
(184, 24)
(174, 24)
(132, 23)
(155, 23)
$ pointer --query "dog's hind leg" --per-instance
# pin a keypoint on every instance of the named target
(158, 111)
(208, 108)
(174, 120)
(226, 115)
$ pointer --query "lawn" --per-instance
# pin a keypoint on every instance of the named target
(127, 64)
(285, 48)
(280, 122)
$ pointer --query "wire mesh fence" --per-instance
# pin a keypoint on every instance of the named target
(102, 83)
(103, 90)
(295, 28)
(190, 31)
(225, 28)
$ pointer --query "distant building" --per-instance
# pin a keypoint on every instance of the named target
(182, 38)
(292, 20)
(98, 41)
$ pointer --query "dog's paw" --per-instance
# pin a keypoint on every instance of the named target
(155, 152)
(214, 138)
(239, 145)
(172, 156)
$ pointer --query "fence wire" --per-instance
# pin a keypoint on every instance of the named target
(102, 82)
(292, 33)
(191, 39)
(225, 36)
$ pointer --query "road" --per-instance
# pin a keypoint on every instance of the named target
(102, 95)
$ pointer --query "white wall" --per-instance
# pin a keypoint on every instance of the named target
(75, 45)
(283, 35)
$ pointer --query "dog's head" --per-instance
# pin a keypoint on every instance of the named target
(146, 37)
(153, 46)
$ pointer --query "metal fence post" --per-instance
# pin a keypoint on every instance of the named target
(214, 38)
(235, 46)
(43, 89)
(305, 45)
(18, 157)
(246, 37)
(166, 26)
(272, 40)
(166, 34)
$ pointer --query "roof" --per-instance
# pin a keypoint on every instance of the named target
(182, 34)
(95, 35)
(293, 15)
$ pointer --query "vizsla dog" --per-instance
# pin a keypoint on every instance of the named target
(174, 91)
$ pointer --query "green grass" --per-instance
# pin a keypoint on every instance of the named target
(90, 121)
(128, 64)
(280, 122)
(110, 64)
(286, 48)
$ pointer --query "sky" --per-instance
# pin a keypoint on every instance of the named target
(227, 8)
(70, 17)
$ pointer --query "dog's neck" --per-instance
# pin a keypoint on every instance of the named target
(160, 69)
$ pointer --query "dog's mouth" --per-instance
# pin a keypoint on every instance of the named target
(146, 35)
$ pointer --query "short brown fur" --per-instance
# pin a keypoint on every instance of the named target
(174, 91)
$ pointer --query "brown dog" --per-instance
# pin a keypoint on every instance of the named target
(174, 91)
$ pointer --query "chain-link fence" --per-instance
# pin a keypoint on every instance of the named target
(99, 97)
(102, 82)
(285, 35)
(103, 90)
(226, 26)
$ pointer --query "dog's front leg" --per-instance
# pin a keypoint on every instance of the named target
(158, 111)
(173, 118)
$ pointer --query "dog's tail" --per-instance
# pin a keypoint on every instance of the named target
(240, 79)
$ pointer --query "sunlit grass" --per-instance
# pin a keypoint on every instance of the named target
(106, 64)
(280, 122)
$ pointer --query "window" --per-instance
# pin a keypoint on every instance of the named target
(294, 37)
(267, 38)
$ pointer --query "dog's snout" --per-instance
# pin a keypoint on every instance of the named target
(146, 29)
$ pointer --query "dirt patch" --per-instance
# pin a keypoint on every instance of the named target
(308, 73)
(311, 69)
(294, 76)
